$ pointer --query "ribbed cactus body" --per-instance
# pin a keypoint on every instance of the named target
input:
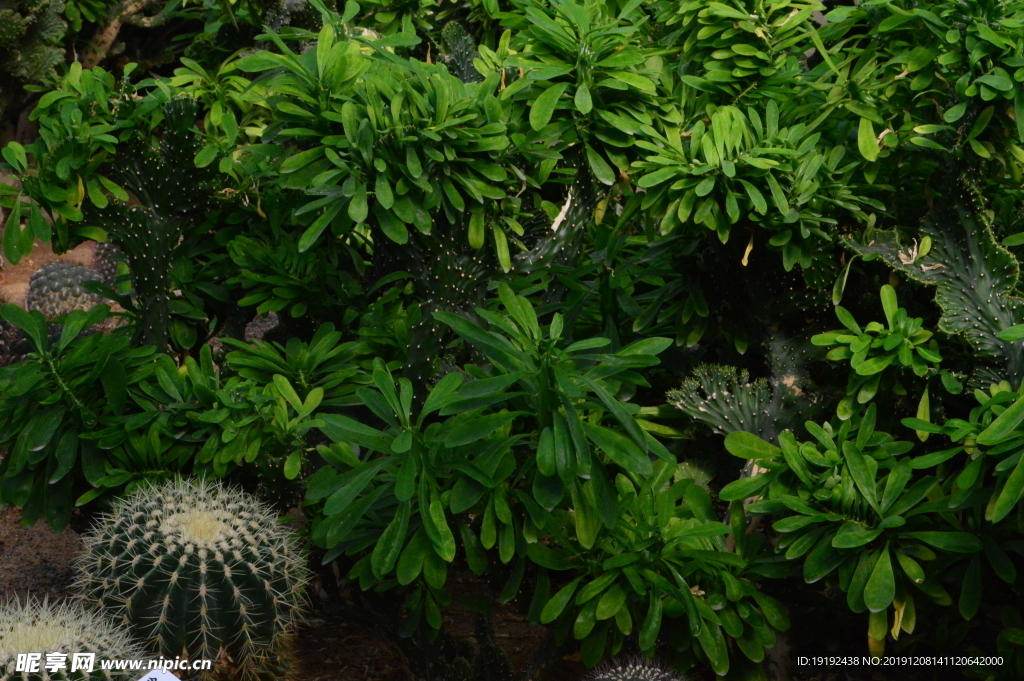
(197, 569)
(105, 259)
(39, 627)
(633, 670)
(56, 289)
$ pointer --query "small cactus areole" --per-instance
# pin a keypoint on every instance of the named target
(38, 627)
(638, 669)
(197, 569)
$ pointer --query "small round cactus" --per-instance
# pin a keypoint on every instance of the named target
(39, 627)
(635, 669)
(197, 569)
(56, 289)
(105, 259)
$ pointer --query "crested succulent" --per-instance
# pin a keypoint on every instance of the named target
(975, 279)
(726, 399)
(633, 670)
(35, 626)
(56, 289)
(200, 568)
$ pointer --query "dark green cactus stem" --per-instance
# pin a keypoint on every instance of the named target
(172, 196)
(460, 53)
(200, 568)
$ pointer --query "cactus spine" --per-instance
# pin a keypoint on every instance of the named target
(199, 569)
(39, 627)
(633, 670)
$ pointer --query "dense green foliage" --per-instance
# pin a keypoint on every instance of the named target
(530, 262)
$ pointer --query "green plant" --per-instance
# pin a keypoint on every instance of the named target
(30, 35)
(534, 462)
(61, 631)
(56, 289)
(587, 59)
(741, 47)
(964, 59)
(197, 568)
(53, 398)
(325, 363)
(722, 171)
(384, 141)
(904, 343)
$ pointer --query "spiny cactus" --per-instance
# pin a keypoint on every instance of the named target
(197, 567)
(56, 289)
(558, 241)
(39, 627)
(105, 259)
(633, 670)
(726, 399)
(460, 53)
(172, 195)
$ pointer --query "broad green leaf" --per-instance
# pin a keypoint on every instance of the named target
(881, 586)
(557, 604)
(866, 141)
(1011, 493)
(1003, 426)
(583, 102)
(956, 542)
(544, 106)
(602, 171)
(652, 622)
(620, 449)
(889, 305)
(749, 446)
(970, 590)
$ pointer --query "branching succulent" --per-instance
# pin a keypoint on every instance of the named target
(731, 47)
(739, 169)
(198, 568)
(172, 195)
(727, 400)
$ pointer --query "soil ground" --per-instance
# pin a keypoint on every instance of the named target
(14, 278)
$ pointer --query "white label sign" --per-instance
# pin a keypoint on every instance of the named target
(158, 675)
